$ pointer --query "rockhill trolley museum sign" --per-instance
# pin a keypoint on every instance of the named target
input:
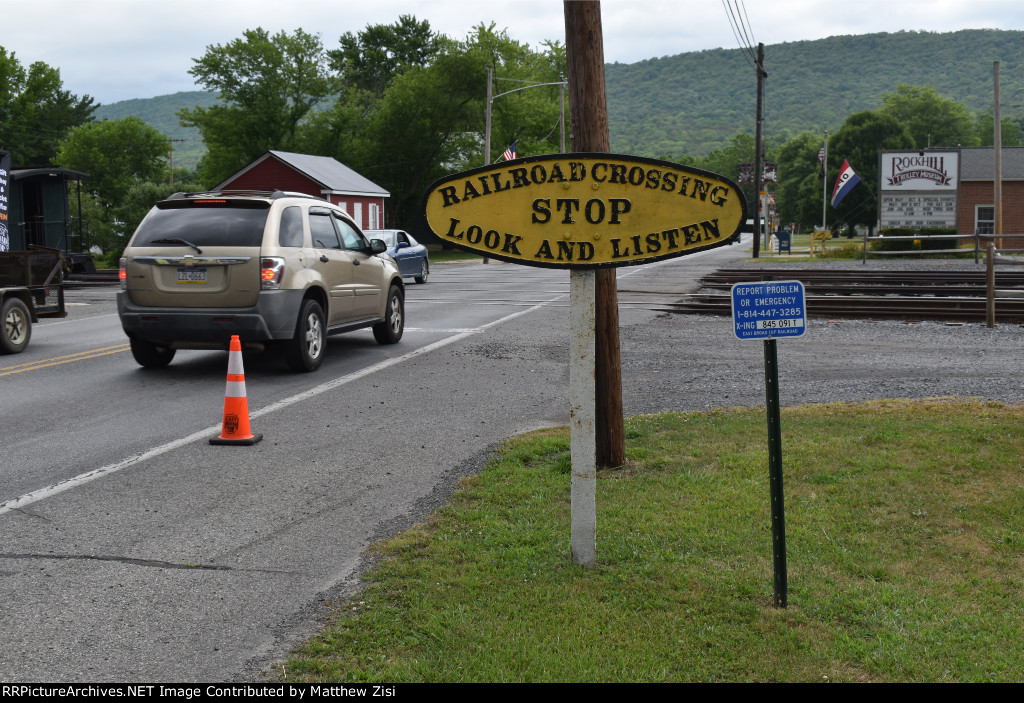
(584, 210)
(918, 188)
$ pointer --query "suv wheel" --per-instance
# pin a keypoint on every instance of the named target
(151, 355)
(305, 351)
(390, 331)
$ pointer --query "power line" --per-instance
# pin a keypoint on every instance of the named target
(736, 11)
(750, 38)
(744, 42)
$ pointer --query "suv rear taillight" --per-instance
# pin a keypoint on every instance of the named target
(122, 274)
(271, 272)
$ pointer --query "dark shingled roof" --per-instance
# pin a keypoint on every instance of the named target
(979, 163)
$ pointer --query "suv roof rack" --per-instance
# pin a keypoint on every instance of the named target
(271, 194)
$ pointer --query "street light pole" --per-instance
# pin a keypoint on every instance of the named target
(487, 121)
(490, 101)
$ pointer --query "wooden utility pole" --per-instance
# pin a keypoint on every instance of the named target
(588, 119)
(758, 165)
(997, 142)
(170, 158)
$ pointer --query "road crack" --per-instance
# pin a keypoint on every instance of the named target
(152, 563)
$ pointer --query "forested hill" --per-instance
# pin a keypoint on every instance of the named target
(160, 112)
(694, 102)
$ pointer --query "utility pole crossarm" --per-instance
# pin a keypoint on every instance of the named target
(526, 87)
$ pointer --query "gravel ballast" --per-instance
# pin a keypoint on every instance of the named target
(695, 362)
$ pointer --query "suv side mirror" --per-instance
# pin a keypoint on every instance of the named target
(377, 246)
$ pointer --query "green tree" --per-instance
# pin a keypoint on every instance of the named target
(116, 154)
(36, 112)
(89, 217)
(798, 195)
(428, 118)
(858, 141)
(371, 59)
(725, 161)
(987, 134)
(268, 85)
(367, 64)
(423, 122)
(931, 119)
(529, 117)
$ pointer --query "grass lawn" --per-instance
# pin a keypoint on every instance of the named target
(845, 249)
(905, 529)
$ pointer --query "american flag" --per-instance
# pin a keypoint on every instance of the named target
(821, 160)
(509, 153)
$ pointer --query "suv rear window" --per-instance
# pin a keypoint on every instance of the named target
(211, 223)
(290, 233)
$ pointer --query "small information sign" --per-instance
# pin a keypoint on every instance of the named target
(768, 310)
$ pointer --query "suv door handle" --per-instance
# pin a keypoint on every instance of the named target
(324, 259)
(356, 262)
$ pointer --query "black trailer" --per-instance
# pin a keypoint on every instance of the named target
(39, 214)
(30, 288)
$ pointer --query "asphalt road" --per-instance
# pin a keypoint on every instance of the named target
(133, 551)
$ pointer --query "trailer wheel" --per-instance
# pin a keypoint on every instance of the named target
(17, 326)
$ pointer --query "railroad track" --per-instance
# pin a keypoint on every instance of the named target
(96, 278)
(896, 295)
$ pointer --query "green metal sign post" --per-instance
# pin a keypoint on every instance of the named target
(767, 310)
(771, 386)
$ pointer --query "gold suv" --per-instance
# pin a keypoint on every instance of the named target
(277, 269)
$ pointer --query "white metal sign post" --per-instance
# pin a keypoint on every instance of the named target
(767, 310)
(584, 212)
(582, 410)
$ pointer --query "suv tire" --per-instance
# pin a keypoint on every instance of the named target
(390, 331)
(151, 355)
(305, 351)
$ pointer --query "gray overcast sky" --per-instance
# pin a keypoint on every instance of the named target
(119, 49)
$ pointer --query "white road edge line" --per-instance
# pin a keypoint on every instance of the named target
(53, 323)
(81, 479)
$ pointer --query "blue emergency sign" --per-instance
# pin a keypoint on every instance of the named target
(768, 310)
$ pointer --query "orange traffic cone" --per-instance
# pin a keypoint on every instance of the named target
(235, 429)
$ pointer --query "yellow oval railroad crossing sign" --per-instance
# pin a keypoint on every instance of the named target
(585, 210)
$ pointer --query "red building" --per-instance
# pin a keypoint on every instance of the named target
(321, 176)
(977, 192)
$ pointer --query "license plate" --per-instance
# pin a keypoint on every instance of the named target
(191, 275)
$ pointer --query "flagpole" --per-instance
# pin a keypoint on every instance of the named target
(824, 185)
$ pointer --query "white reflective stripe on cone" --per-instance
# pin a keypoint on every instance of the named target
(235, 362)
(235, 389)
